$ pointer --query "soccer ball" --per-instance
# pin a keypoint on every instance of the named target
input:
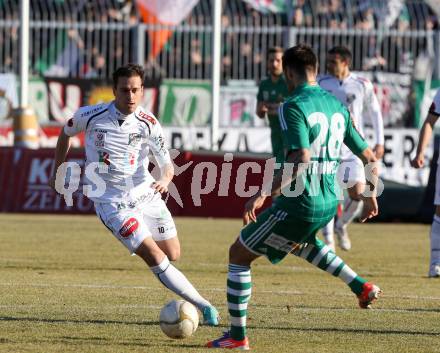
(179, 319)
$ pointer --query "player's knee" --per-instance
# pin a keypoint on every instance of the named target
(238, 254)
(174, 254)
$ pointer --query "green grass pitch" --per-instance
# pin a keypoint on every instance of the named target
(66, 285)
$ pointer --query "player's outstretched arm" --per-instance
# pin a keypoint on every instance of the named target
(61, 150)
(424, 138)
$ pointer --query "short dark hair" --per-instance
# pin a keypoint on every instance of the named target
(275, 50)
(300, 58)
(128, 70)
(343, 52)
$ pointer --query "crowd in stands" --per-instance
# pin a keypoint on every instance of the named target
(247, 35)
(363, 14)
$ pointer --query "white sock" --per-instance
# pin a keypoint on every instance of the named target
(176, 281)
(349, 212)
(435, 241)
(327, 231)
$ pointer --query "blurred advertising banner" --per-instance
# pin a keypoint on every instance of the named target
(8, 95)
(400, 146)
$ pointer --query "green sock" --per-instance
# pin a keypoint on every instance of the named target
(238, 294)
(320, 255)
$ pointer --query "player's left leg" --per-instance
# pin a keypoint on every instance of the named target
(322, 256)
(161, 224)
(351, 174)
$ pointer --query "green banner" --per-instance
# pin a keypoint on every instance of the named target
(185, 102)
(423, 99)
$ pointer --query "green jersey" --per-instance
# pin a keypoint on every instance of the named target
(314, 119)
(274, 92)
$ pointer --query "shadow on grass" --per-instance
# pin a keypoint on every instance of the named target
(65, 321)
(347, 330)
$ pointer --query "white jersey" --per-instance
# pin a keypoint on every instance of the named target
(435, 106)
(357, 94)
(122, 149)
(435, 110)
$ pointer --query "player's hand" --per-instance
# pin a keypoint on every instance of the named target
(52, 181)
(378, 151)
(418, 162)
(251, 206)
(262, 110)
(370, 209)
(160, 186)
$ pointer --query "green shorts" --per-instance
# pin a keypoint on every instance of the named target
(276, 233)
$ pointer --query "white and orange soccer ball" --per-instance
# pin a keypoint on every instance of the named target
(179, 319)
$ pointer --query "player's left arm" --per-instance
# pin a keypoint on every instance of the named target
(374, 113)
(162, 156)
(358, 146)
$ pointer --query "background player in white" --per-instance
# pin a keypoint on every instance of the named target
(357, 94)
(118, 137)
(418, 162)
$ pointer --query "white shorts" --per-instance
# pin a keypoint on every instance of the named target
(437, 187)
(131, 224)
(351, 171)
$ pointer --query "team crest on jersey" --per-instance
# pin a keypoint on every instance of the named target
(134, 139)
(104, 157)
(100, 137)
(147, 117)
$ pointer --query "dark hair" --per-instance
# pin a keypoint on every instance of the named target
(128, 70)
(343, 52)
(275, 50)
(300, 58)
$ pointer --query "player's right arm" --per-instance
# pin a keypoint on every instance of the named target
(426, 131)
(262, 108)
(424, 138)
(73, 126)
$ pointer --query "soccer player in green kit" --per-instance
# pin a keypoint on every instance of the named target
(271, 93)
(314, 125)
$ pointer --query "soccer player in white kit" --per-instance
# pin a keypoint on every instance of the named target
(357, 94)
(118, 137)
(418, 162)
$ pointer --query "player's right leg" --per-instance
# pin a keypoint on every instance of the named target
(328, 234)
(239, 287)
(434, 265)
